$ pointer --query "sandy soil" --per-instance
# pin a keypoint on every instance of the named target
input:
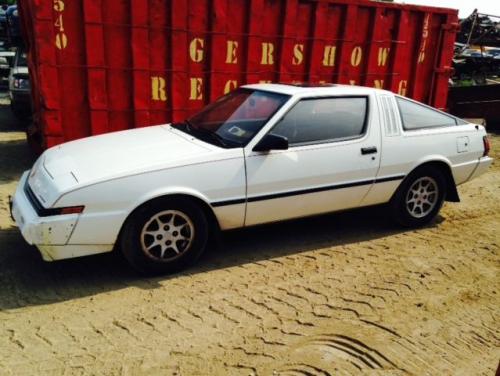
(341, 294)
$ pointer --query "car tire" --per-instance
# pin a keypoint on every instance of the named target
(419, 198)
(165, 235)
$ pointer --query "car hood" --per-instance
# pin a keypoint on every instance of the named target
(99, 158)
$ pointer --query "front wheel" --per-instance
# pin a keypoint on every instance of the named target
(419, 198)
(165, 235)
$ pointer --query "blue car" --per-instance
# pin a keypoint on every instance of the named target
(3, 9)
(13, 26)
(3, 21)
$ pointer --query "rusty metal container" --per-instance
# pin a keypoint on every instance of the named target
(479, 102)
(106, 65)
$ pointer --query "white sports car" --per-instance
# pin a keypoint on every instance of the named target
(261, 153)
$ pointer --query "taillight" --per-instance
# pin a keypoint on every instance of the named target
(487, 146)
(71, 210)
(21, 82)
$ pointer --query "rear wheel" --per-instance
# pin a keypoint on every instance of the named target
(165, 235)
(420, 197)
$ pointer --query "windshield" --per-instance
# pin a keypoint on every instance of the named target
(235, 118)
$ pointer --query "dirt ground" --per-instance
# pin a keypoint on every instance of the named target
(336, 295)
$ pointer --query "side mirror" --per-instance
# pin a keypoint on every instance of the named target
(272, 142)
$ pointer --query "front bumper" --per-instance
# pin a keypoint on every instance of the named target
(36, 230)
(50, 234)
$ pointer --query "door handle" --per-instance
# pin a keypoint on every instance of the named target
(369, 150)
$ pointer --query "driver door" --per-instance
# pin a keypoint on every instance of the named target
(331, 163)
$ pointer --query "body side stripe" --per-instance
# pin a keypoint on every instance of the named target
(306, 191)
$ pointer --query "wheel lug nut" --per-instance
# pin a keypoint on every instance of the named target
(175, 233)
(168, 242)
(166, 228)
(159, 237)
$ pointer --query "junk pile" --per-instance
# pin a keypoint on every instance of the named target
(475, 84)
(477, 51)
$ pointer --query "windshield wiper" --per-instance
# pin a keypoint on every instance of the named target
(189, 125)
(221, 140)
(205, 132)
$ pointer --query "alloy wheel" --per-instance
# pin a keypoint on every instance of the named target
(422, 197)
(167, 235)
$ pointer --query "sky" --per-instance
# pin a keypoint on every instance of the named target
(465, 7)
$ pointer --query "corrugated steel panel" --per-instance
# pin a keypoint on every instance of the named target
(106, 65)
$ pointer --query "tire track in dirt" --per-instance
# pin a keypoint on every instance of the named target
(345, 294)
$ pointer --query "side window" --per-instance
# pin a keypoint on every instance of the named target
(416, 116)
(323, 119)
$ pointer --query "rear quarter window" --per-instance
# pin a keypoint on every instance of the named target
(417, 116)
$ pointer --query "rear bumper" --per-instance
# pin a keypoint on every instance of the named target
(22, 97)
(482, 167)
(49, 234)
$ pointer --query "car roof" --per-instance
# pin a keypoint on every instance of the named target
(314, 89)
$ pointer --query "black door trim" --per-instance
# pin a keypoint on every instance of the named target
(307, 191)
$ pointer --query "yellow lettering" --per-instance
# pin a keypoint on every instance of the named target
(196, 93)
(230, 85)
(264, 81)
(231, 57)
(267, 54)
(421, 57)
(425, 31)
(383, 52)
(61, 41)
(59, 5)
(61, 37)
(356, 55)
(59, 22)
(402, 87)
(158, 92)
(298, 54)
(379, 84)
(196, 49)
(425, 34)
(352, 82)
(329, 56)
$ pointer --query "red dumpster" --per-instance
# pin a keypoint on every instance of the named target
(105, 65)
